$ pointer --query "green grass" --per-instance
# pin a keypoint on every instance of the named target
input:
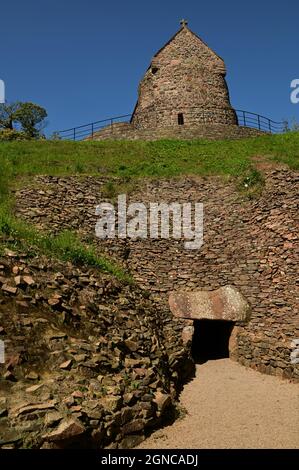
(165, 158)
(65, 246)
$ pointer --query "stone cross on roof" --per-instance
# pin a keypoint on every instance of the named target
(184, 23)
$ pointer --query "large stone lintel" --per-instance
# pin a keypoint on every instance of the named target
(225, 303)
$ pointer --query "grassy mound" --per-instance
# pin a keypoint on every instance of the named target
(165, 158)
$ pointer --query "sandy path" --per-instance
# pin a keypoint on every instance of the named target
(230, 406)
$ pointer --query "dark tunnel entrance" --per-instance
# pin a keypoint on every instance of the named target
(211, 340)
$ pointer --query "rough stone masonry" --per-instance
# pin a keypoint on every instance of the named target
(184, 85)
(183, 94)
(249, 244)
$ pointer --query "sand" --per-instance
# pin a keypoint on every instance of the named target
(231, 407)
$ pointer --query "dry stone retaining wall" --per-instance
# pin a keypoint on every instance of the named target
(86, 361)
(250, 244)
(211, 131)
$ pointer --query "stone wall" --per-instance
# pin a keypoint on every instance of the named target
(249, 243)
(183, 95)
(86, 360)
(126, 131)
(184, 77)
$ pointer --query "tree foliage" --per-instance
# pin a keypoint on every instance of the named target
(8, 115)
(29, 117)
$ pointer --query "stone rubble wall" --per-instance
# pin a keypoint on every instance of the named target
(251, 244)
(126, 131)
(86, 361)
(193, 118)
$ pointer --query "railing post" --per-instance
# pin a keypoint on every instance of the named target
(205, 115)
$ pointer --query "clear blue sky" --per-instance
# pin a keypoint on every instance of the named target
(82, 59)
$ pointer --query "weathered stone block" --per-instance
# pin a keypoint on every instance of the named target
(226, 303)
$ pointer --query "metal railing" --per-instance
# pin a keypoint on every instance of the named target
(88, 130)
(194, 115)
(257, 121)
